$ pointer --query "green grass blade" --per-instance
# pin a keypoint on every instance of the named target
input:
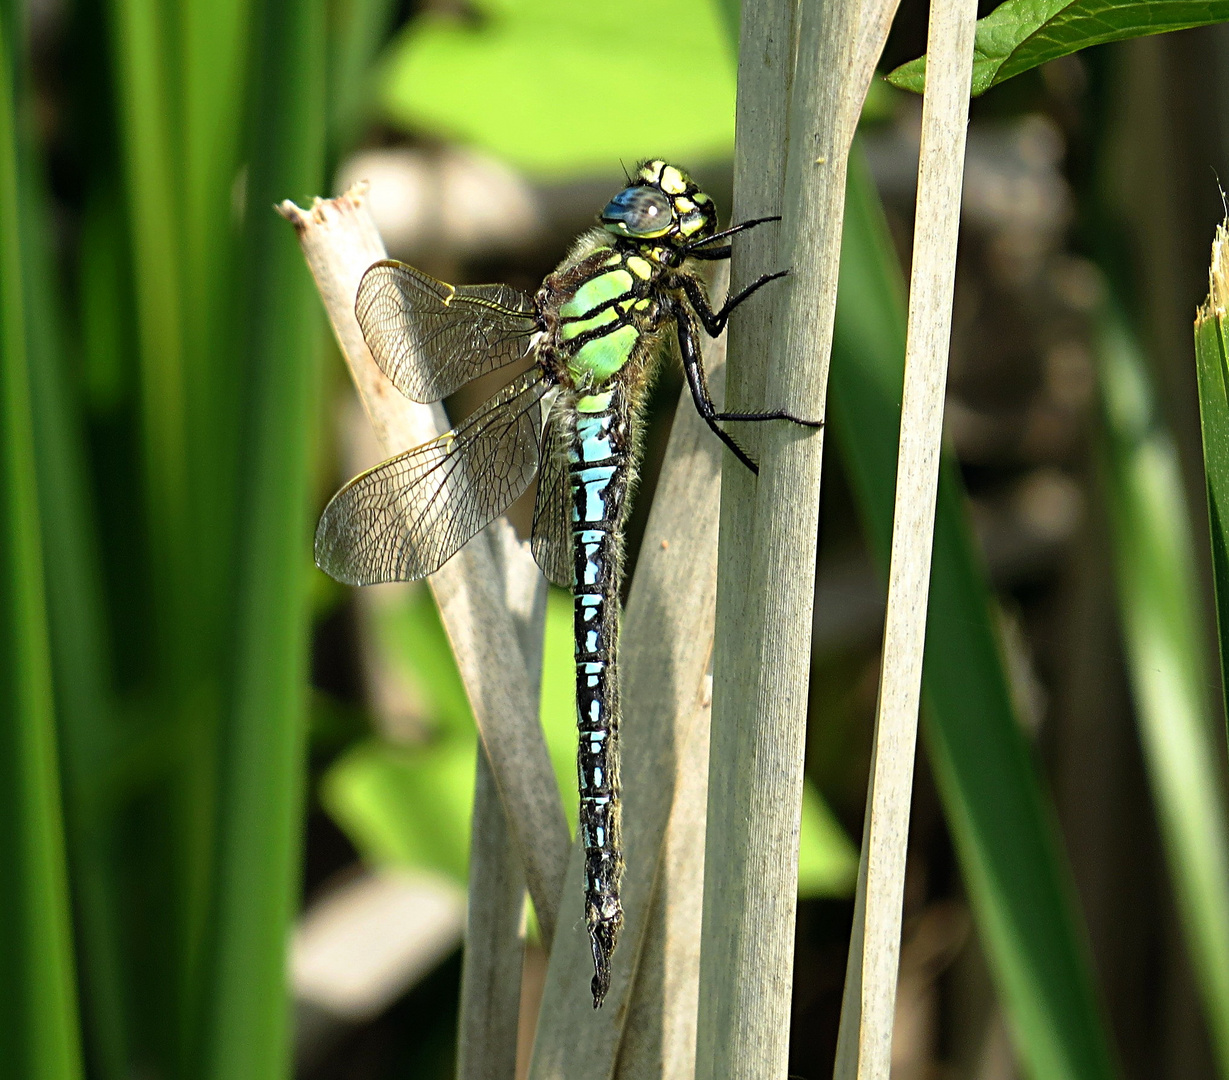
(38, 1013)
(359, 28)
(1158, 595)
(146, 93)
(211, 79)
(175, 840)
(1212, 368)
(1002, 826)
(1021, 34)
(81, 660)
(261, 768)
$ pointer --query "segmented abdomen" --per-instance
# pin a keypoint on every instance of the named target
(598, 462)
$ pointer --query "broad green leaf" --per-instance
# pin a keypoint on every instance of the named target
(1158, 596)
(561, 88)
(1021, 34)
(406, 806)
(827, 858)
(1010, 858)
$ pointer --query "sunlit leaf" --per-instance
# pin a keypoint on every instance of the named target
(1158, 596)
(827, 858)
(521, 83)
(406, 806)
(1021, 34)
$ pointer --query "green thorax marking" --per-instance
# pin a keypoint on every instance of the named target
(594, 403)
(597, 360)
(576, 327)
(595, 292)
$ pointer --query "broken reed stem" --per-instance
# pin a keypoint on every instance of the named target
(340, 242)
(864, 1045)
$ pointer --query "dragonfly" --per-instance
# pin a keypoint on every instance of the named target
(629, 293)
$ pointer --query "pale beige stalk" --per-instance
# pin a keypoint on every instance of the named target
(495, 920)
(768, 530)
(865, 1042)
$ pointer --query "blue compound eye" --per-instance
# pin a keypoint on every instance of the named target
(642, 212)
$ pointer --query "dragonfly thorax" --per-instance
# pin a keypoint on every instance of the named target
(602, 313)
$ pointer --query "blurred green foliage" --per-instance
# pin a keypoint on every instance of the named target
(559, 88)
(1019, 35)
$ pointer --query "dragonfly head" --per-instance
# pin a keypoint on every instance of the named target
(662, 205)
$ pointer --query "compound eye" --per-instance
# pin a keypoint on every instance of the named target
(641, 212)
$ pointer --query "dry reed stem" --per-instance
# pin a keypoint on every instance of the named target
(768, 531)
(495, 920)
(865, 1043)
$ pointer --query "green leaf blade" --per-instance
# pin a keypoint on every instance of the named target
(1022, 34)
(484, 85)
(39, 1036)
(1158, 595)
(247, 1023)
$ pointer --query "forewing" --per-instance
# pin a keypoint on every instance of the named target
(431, 338)
(404, 519)
(552, 531)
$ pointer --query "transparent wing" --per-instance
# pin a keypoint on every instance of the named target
(404, 519)
(552, 519)
(431, 338)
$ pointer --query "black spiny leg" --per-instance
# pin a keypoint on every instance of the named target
(714, 322)
(696, 250)
(693, 367)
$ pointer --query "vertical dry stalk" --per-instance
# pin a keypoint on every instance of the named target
(768, 555)
(340, 241)
(865, 1041)
(494, 927)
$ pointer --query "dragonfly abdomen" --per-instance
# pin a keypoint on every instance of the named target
(598, 465)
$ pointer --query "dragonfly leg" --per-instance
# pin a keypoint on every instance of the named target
(693, 367)
(696, 249)
(714, 321)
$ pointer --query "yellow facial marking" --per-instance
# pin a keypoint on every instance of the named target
(672, 182)
(691, 223)
(651, 171)
(684, 205)
(701, 199)
(640, 267)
